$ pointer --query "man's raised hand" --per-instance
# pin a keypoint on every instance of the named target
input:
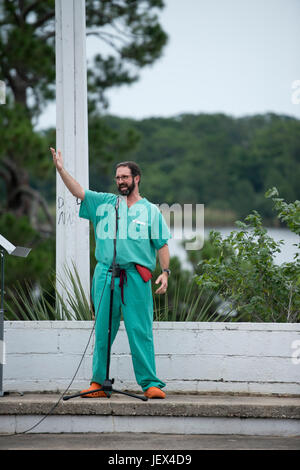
(57, 159)
(73, 186)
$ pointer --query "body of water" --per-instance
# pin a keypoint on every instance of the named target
(288, 250)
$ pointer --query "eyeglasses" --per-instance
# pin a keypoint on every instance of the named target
(124, 178)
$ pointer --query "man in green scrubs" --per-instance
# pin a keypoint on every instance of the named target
(142, 233)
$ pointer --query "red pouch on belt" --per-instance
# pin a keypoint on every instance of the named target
(144, 272)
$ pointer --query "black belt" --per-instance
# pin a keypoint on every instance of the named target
(117, 271)
(121, 273)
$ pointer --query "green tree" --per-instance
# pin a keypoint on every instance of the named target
(23, 158)
(223, 162)
(129, 32)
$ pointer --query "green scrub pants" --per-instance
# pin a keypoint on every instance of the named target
(138, 319)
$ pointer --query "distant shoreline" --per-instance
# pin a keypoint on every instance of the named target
(214, 218)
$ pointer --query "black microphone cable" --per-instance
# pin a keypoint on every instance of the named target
(72, 380)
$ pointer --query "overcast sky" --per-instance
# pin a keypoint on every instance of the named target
(238, 57)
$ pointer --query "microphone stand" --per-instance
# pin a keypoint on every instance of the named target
(107, 384)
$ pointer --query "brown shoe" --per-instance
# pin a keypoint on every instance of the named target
(94, 386)
(154, 392)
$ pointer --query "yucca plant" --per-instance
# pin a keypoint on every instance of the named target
(77, 306)
(189, 303)
(26, 305)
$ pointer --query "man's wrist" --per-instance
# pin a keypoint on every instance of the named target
(167, 271)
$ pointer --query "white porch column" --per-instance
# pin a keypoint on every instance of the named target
(72, 233)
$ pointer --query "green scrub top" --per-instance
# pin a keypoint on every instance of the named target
(141, 229)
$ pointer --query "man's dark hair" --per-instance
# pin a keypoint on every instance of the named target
(134, 168)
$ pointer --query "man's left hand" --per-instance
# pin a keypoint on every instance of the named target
(163, 279)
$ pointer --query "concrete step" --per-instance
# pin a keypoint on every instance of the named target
(135, 444)
(176, 414)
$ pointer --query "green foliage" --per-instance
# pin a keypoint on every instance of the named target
(129, 34)
(40, 261)
(132, 38)
(208, 251)
(183, 300)
(223, 162)
(289, 213)
(21, 148)
(110, 146)
(245, 274)
(29, 304)
(27, 53)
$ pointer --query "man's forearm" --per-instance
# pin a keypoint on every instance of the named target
(73, 186)
(164, 257)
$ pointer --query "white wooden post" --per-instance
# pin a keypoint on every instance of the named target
(2, 92)
(72, 233)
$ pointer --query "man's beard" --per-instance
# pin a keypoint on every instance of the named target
(127, 190)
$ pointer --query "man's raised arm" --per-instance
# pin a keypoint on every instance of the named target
(73, 186)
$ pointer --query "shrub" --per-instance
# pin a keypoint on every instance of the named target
(245, 274)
